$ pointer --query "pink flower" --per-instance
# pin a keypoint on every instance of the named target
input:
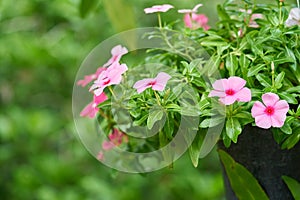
(252, 22)
(117, 52)
(294, 17)
(158, 8)
(111, 76)
(194, 10)
(158, 83)
(89, 78)
(231, 90)
(272, 112)
(254, 16)
(116, 138)
(194, 21)
(91, 109)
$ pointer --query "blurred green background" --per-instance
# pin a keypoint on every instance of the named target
(42, 44)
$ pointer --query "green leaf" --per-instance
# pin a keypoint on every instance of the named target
(243, 183)
(222, 13)
(194, 149)
(154, 116)
(292, 140)
(255, 69)
(211, 122)
(231, 64)
(279, 79)
(286, 128)
(288, 97)
(264, 80)
(86, 6)
(293, 185)
(233, 129)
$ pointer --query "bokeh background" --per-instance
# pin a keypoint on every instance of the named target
(42, 44)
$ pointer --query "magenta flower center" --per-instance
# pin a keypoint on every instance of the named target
(151, 83)
(106, 82)
(230, 92)
(269, 110)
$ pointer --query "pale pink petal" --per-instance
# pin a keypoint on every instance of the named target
(160, 81)
(201, 20)
(99, 71)
(282, 106)
(252, 22)
(100, 156)
(98, 91)
(270, 99)
(188, 21)
(89, 111)
(221, 85)
(294, 17)
(215, 93)
(107, 145)
(158, 8)
(100, 98)
(228, 100)
(244, 95)
(185, 11)
(117, 52)
(236, 83)
(194, 10)
(263, 121)
(87, 79)
(278, 119)
(258, 109)
(143, 84)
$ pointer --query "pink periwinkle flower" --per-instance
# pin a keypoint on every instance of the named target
(158, 83)
(116, 138)
(272, 112)
(117, 52)
(111, 76)
(91, 109)
(194, 10)
(231, 90)
(194, 21)
(294, 17)
(252, 22)
(158, 8)
(89, 78)
(253, 17)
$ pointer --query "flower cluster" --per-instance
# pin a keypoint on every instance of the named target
(252, 77)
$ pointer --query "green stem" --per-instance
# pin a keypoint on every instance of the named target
(157, 97)
(159, 20)
(112, 92)
(280, 12)
(298, 4)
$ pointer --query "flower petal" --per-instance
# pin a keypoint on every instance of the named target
(278, 119)
(236, 83)
(258, 109)
(143, 84)
(215, 93)
(100, 98)
(244, 95)
(160, 81)
(221, 85)
(270, 99)
(89, 111)
(282, 106)
(158, 8)
(228, 100)
(263, 121)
